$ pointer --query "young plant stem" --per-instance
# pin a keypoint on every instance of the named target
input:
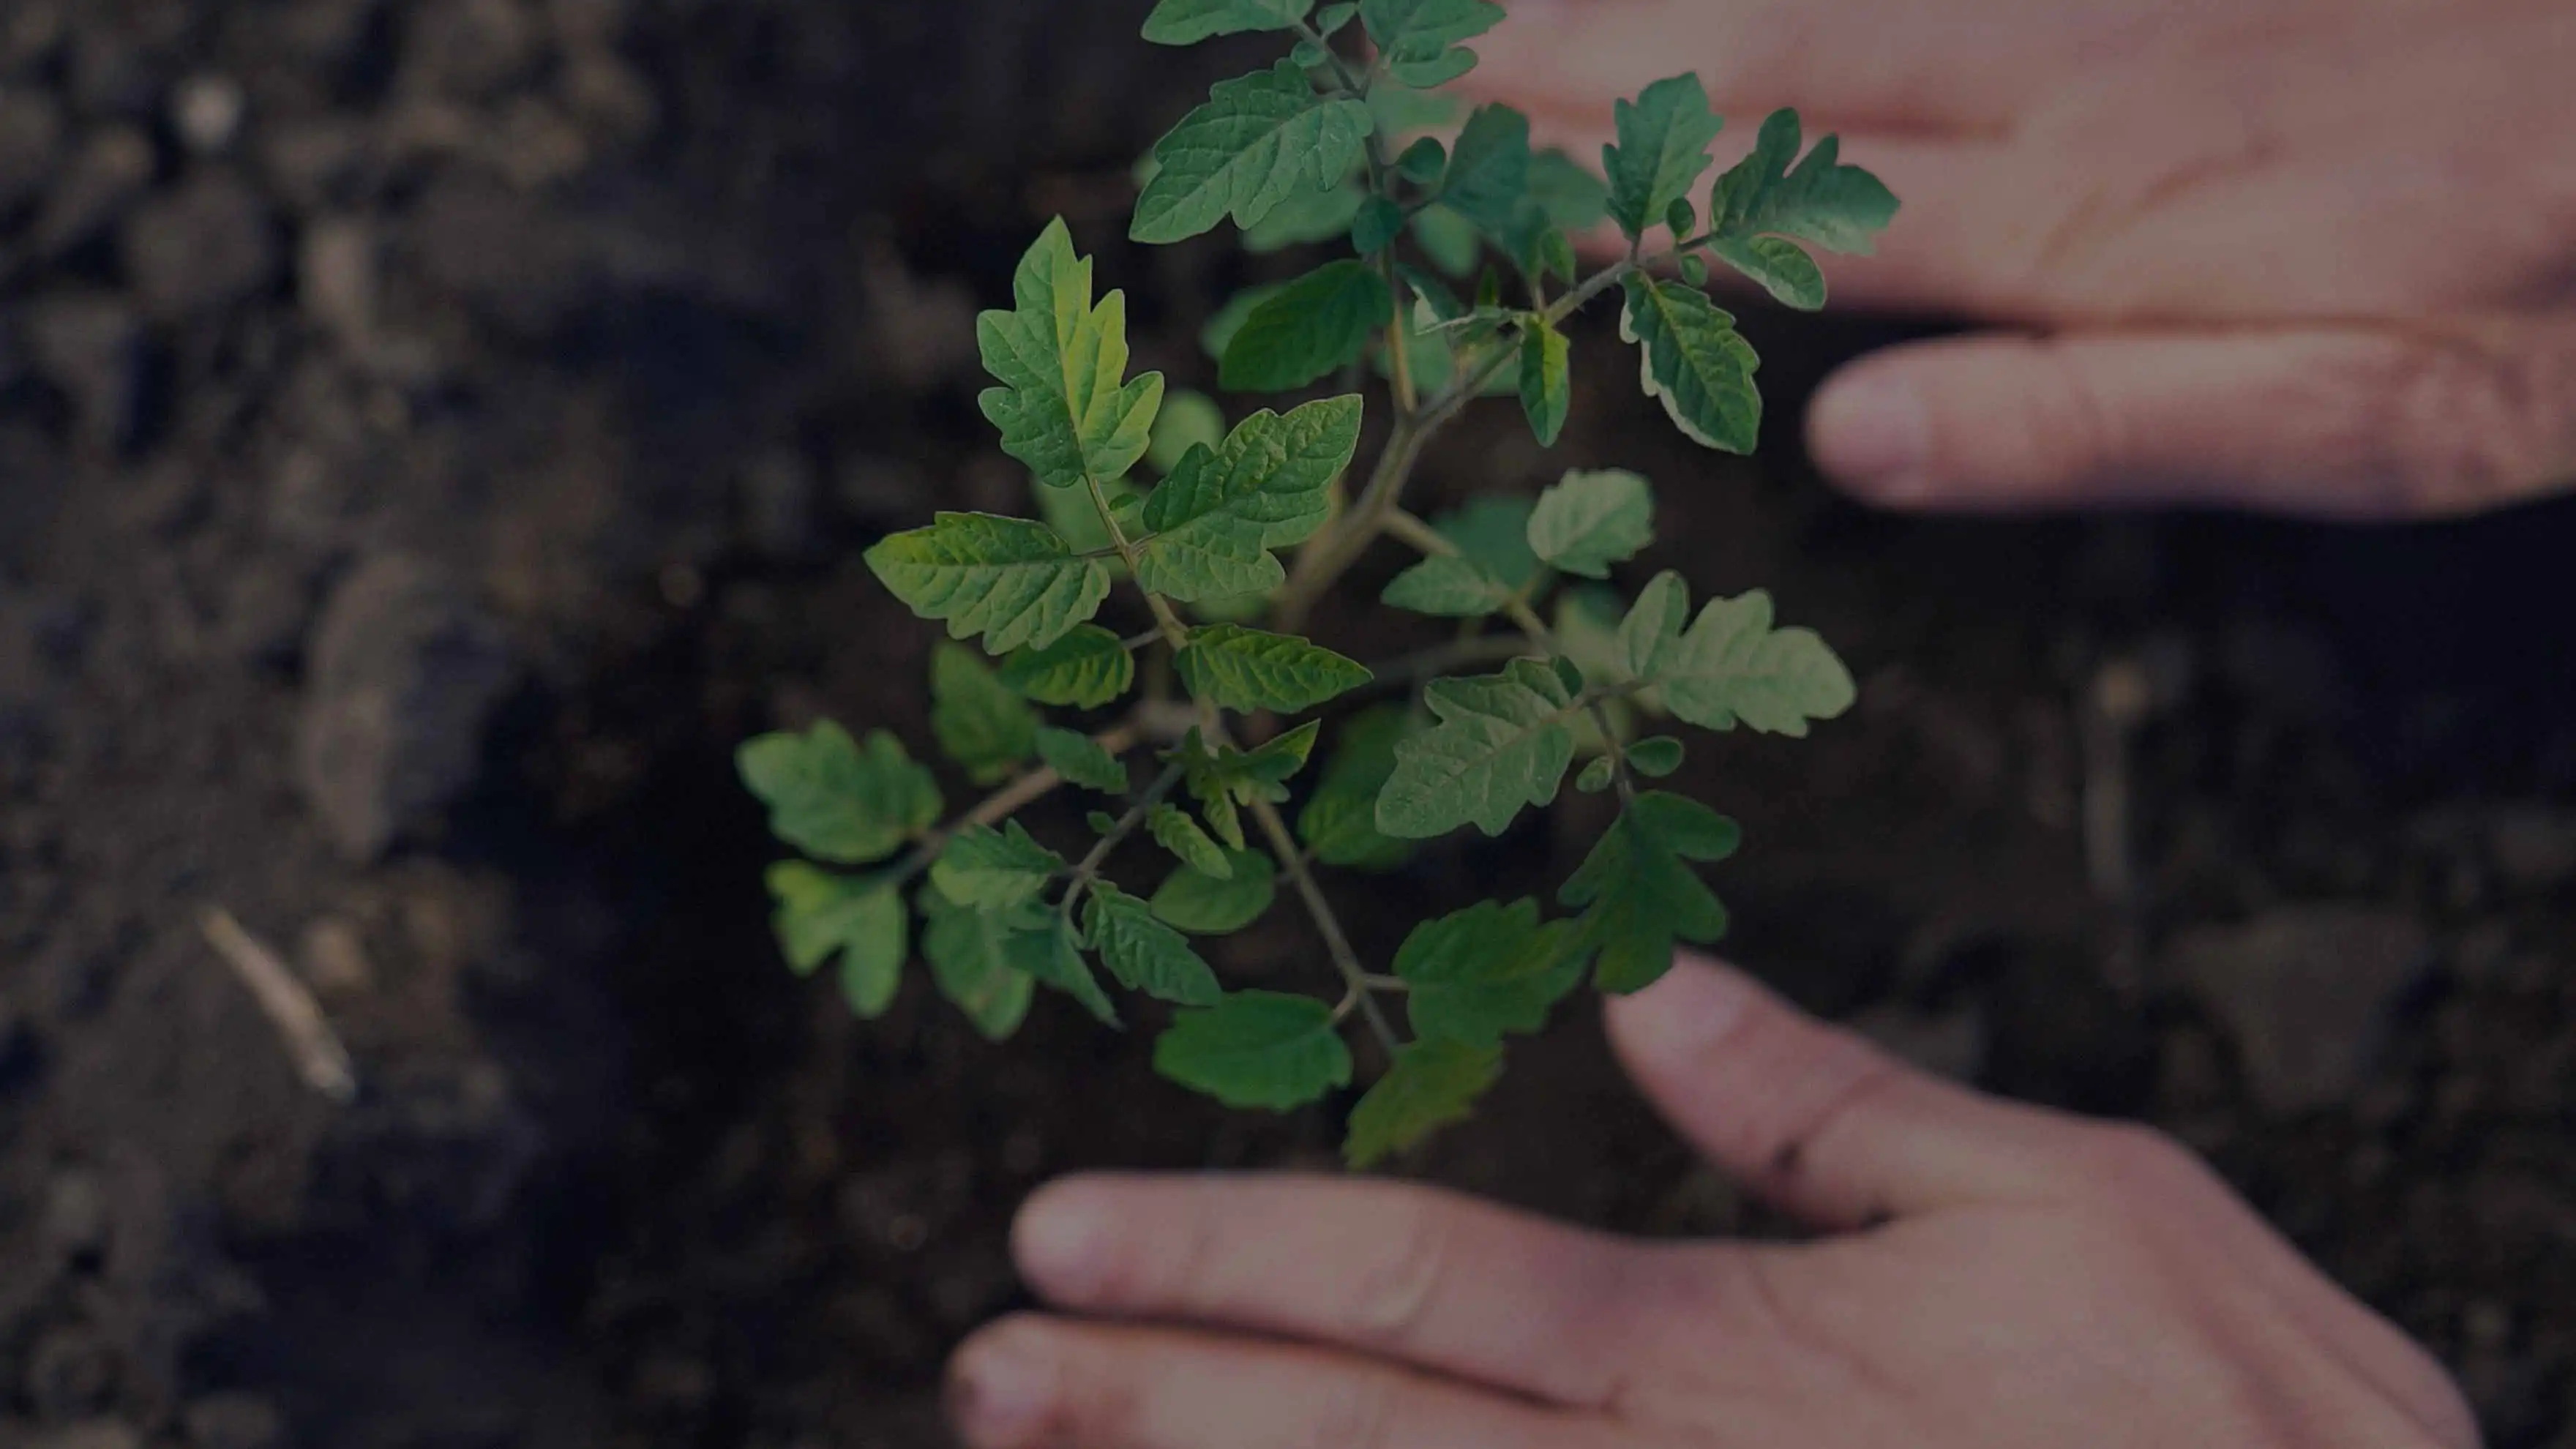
(1087, 870)
(1006, 802)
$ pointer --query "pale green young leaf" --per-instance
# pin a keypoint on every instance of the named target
(1597, 776)
(1074, 514)
(1009, 579)
(1261, 773)
(1655, 758)
(1174, 830)
(1446, 586)
(1187, 22)
(1145, 954)
(1547, 380)
(1692, 360)
(1081, 760)
(970, 954)
(1662, 150)
(1639, 894)
(1782, 267)
(1229, 318)
(1493, 533)
(1840, 208)
(1247, 669)
(1212, 524)
(1589, 521)
(821, 915)
(1256, 1049)
(995, 870)
(1053, 955)
(1189, 418)
(1488, 970)
(1208, 905)
(981, 723)
(1415, 36)
(1432, 1085)
(1305, 218)
(1315, 325)
(1085, 669)
(836, 801)
(1339, 823)
(1063, 406)
(1489, 170)
(1732, 666)
(1259, 140)
(1653, 628)
(1503, 742)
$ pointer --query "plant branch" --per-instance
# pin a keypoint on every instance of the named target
(1087, 870)
(1336, 944)
(1008, 801)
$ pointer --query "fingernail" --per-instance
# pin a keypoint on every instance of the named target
(1000, 1388)
(1064, 1239)
(1874, 436)
(1689, 1012)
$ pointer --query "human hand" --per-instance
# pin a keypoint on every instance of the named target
(2308, 256)
(2000, 1277)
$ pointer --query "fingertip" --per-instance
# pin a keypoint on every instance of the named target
(1870, 431)
(1002, 1384)
(1065, 1236)
(1678, 1020)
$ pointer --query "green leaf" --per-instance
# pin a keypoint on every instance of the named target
(1062, 406)
(821, 915)
(1247, 669)
(1840, 208)
(1256, 1049)
(1448, 239)
(1087, 668)
(1053, 954)
(1213, 523)
(1733, 666)
(1432, 1085)
(1009, 579)
(1587, 636)
(1662, 150)
(1339, 823)
(1414, 36)
(1187, 22)
(1075, 516)
(1209, 905)
(1503, 742)
(836, 801)
(1681, 217)
(1378, 224)
(971, 954)
(1175, 831)
(1597, 776)
(1489, 168)
(1488, 970)
(995, 870)
(1305, 218)
(1143, 953)
(1782, 267)
(1589, 521)
(1547, 380)
(1655, 758)
(1639, 894)
(1423, 162)
(1446, 586)
(1189, 418)
(1694, 362)
(1259, 140)
(1653, 628)
(1228, 319)
(1493, 533)
(981, 722)
(1080, 759)
(1321, 322)
(1567, 194)
(1693, 269)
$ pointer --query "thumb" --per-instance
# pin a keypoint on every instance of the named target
(2351, 423)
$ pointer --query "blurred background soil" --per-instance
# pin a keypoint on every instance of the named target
(434, 432)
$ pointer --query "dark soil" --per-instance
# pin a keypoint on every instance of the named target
(433, 434)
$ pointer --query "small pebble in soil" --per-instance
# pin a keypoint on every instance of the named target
(2307, 994)
(207, 112)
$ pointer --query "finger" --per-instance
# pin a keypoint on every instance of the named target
(1031, 1382)
(2356, 424)
(1436, 1280)
(1817, 1119)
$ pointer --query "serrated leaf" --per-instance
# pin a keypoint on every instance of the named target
(994, 870)
(1503, 742)
(1087, 668)
(1432, 1085)
(1207, 905)
(1247, 669)
(1655, 758)
(1305, 218)
(1662, 150)
(821, 915)
(1187, 22)
(1339, 823)
(1840, 208)
(1188, 418)
(1145, 954)
(1446, 586)
(1486, 971)
(981, 723)
(1062, 407)
(836, 801)
(1639, 894)
(1415, 36)
(1489, 168)
(1259, 139)
(1782, 267)
(970, 954)
(1731, 666)
(1053, 955)
(1256, 1049)
(1692, 360)
(1313, 326)
(1081, 760)
(1213, 523)
(1174, 830)
(1547, 380)
(1589, 521)
(1493, 533)
(1009, 579)
(1653, 628)
(1428, 71)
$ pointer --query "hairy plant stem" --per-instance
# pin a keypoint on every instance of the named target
(1087, 870)
(1011, 799)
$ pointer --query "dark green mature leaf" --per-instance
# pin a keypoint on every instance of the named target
(1376, 227)
(821, 915)
(1446, 586)
(971, 954)
(1313, 326)
(1339, 823)
(1448, 239)
(1256, 1049)
(836, 801)
(1493, 532)
(1662, 150)
(1305, 218)
(1087, 668)
(1489, 170)
(1694, 362)
(981, 722)
(1415, 36)
(1567, 193)
(1145, 954)
(1080, 759)
(1639, 894)
(1488, 970)
(1228, 319)
(1547, 380)
(1053, 954)
(1247, 669)
(1187, 22)
(1431, 1085)
(1174, 830)
(1258, 140)
(1503, 742)
(1208, 905)
(1589, 521)
(995, 870)
(1840, 208)
(1782, 267)
(1733, 666)
(1009, 579)
(1062, 407)
(1268, 485)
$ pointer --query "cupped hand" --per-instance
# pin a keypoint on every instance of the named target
(1993, 1277)
(2308, 256)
